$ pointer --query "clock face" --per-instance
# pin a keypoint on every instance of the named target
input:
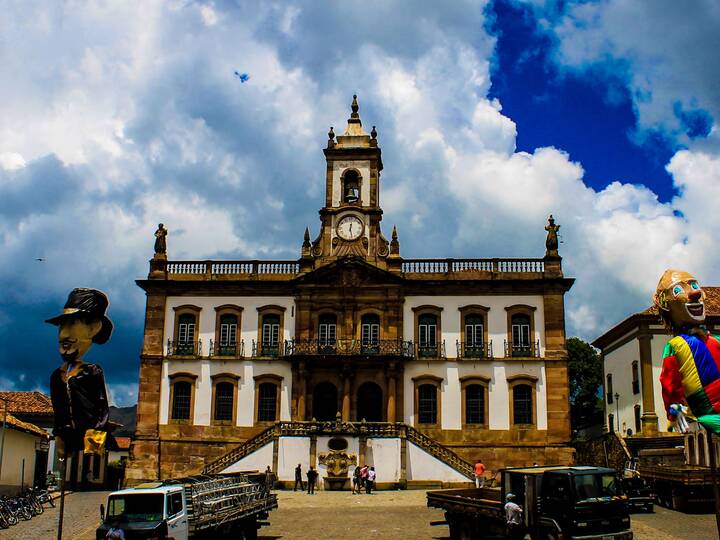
(350, 228)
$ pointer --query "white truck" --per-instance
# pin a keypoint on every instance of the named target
(204, 506)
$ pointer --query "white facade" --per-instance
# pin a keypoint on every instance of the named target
(618, 363)
(18, 460)
(246, 369)
(451, 320)
(383, 453)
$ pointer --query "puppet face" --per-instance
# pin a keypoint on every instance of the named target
(681, 297)
(75, 337)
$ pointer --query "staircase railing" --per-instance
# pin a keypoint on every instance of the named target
(441, 452)
(243, 449)
(338, 427)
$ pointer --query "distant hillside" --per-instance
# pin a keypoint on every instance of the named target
(125, 416)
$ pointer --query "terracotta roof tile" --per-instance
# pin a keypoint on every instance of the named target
(27, 402)
(123, 443)
(20, 425)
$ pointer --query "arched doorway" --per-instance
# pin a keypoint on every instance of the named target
(370, 402)
(325, 401)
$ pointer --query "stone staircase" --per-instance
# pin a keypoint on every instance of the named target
(368, 430)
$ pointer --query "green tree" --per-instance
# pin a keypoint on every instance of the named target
(585, 373)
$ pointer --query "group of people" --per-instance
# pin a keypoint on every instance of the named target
(363, 477)
(312, 476)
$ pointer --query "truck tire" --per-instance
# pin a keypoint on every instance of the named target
(249, 530)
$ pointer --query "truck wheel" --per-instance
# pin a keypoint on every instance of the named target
(249, 531)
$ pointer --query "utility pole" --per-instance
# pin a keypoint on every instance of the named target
(2, 437)
(617, 411)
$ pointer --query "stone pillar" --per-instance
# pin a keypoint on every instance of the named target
(313, 452)
(649, 418)
(346, 398)
(557, 385)
(391, 407)
(362, 443)
(302, 392)
(144, 463)
(403, 461)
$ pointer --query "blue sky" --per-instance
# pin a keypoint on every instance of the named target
(491, 115)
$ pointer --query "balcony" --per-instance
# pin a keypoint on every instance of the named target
(471, 351)
(227, 349)
(184, 348)
(349, 347)
(268, 350)
(522, 350)
(424, 351)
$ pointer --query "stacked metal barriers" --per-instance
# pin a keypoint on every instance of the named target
(220, 499)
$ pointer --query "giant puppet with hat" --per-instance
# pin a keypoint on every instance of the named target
(690, 376)
(77, 389)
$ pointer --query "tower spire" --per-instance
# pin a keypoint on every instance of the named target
(354, 126)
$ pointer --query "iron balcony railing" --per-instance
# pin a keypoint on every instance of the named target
(184, 348)
(522, 350)
(474, 350)
(268, 350)
(232, 349)
(425, 351)
(349, 347)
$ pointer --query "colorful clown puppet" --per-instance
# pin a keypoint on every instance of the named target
(691, 360)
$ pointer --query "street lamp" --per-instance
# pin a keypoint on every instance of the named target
(617, 410)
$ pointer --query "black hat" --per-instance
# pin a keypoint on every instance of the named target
(87, 303)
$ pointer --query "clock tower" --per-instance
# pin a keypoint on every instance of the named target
(350, 219)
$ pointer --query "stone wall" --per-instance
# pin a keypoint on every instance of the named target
(608, 450)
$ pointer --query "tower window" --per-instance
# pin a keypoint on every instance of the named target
(351, 187)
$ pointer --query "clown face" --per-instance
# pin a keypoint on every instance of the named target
(681, 298)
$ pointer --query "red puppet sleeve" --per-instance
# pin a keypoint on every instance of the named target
(671, 379)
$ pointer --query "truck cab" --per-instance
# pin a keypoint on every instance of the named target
(153, 511)
(570, 502)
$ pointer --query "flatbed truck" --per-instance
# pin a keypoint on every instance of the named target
(230, 505)
(558, 502)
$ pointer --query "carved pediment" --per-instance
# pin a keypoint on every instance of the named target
(349, 272)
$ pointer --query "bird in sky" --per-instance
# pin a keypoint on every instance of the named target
(244, 77)
(41, 260)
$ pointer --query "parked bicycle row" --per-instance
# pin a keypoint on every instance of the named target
(24, 506)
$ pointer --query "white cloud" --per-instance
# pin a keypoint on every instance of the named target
(118, 118)
(668, 50)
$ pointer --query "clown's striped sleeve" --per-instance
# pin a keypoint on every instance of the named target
(671, 379)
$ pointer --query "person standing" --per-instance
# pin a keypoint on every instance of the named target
(364, 477)
(370, 482)
(479, 474)
(356, 480)
(311, 478)
(298, 478)
(513, 518)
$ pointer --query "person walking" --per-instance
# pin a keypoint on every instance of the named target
(370, 482)
(356, 480)
(479, 474)
(298, 478)
(513, 518)
(311, 478)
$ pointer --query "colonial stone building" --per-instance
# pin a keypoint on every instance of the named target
(418, 366)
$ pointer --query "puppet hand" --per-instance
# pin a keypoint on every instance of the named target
(676, 415)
